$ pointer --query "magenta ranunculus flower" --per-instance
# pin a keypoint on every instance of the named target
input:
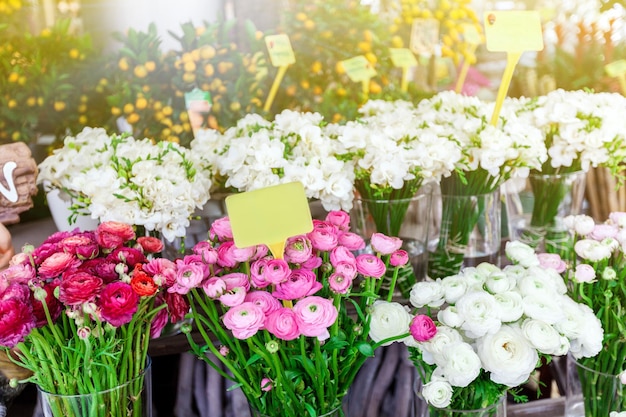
(265, 300)
(298, 249)
(214, 287)
(221, 229)
(177, 306)
(399, 258)
(322, 239)
(16, 321)
(552, 260)
(301, 283)
(283, 324)
(79, 287)
(422, 328)
(370, 265)
(83, 245)
(111, 235)
(341, 254)
(338, 218)
(244, 320)
(226, 255)
(339, 283)
(101, 268)
(56, 264)
(385, 245)
(276, 271)
(18, 273)
(129, 256)
(314, 315)
(118, 303)
(158, 323)
(351, 241)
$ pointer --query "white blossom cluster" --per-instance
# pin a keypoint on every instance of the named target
(157, 186)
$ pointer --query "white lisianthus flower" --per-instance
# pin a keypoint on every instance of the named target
(542, 336)
(388, 320)
(481, 313)
(427, 293)
(437, 393)
(507, 355)
(460, 364)
(521, 253)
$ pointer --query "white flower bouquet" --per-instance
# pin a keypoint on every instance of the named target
(118, 178)
(484, 330)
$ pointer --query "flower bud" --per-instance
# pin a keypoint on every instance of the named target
(83, 332)
(272, 346)
(224, 351)
(185, 328)
(609, 274)
(40, 294)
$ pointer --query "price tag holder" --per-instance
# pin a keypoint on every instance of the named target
(424, 36)
(198, 104)
(359, 69)
(513, 32)
(269, 216)
(403, 58)
(617, 69)
(281, 56)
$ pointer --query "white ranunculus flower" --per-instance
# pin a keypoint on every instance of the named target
(507, 356)
(450, 317)
(460, 364)
(499, 282)
(388, 320)
(427, 293)
(454, 287)
(592, 250)
(433, 348)
(581, 224)
(542, 336)
(543, 306)
(589, 341)
(481, 313)
(510, 306)
(521, 253)
(437, 393)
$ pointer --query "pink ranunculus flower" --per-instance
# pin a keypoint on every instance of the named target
(233, 297)
(206, 251)
(346, 269)
(18, 273)
(552, 260)
(339, 283)
(244, 320)
(243, 254)
(101, 268)
(189, 275)
(118, 303)
(338, 218)
(301, 283)
(214, 287)
(226, 255)
(370, 265)
(385, 245)
(422, 328)
(111, 235)
(78, 288)
(314, 315)
(276, 271)
(16, 321)
(298, 249)
(162, 270)
(257, 273)
(260, 251)
(150, 244)
(399, 258)
(322, 239)
(351, 241)
(341, 254)
(158, 323)
(83, 245)
(221, 229)
(312, 263)
(584, 273)
(324, 225)
(16, 291)
(56, 264)
(19, 259)
(283, 324)
(266, 384)
(602, 231)
(265, 300)
(236, 279)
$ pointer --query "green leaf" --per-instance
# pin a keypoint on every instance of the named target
(365, 349)
(254, 358)
(334, 343)
(310, 409)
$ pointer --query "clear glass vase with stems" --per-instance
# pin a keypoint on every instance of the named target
(467, 221)
(340, 411)
(535, 210)
(590, 392)
(403, 213)
(131, 399)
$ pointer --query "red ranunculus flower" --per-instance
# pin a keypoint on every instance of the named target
(142, 283)
(111, 235)
(79, 287)
(177, 305)
(118, 303)
(150, 244)
(16, 321)
(129, 256)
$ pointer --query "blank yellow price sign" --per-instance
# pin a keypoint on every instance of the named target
(513, 32)
(403, 58)
(617, 69)
(359, 69)
(269, 216)
(281, 56)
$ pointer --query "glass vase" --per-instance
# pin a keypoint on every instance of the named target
(337, 412)
(408, 219)
(590, 393)
(468, 232)
(132, 399)
(535, 208)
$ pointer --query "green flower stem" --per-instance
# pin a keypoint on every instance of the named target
(394, 279)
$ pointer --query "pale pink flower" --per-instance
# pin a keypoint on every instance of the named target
(301, 283)
(399, 258)
(385, 245)
(266, 384)
(338, 218)
(351, 241)
(214, 287)
(233, 297)
(348, 270)
(236, 279)
(322, 239)
(18, 273)
(189, 275)
(618, 218)
(56, 264)
(244, 320)
(283, 324)
(422, 328)
(163, 270)
(584, 273)
(339, 283)
(221, 229)
(265, 300)
(257, 273)
(552, 260)
(341, 254)
(276, 271)
(314, 315)
(602, 231)
(370, 265)
(298, 249)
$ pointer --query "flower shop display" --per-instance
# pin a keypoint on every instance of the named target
(595, 277)
(116, 177)
(467, 208)
(482, 332)
(292, 332)
(78, 312)
(581, 130)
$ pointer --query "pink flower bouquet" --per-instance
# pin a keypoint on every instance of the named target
(293, 331)
(79, 310)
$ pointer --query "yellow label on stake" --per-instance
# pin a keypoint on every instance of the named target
(424, 36)
(280, 51)
(470, 34)
(269, 216)
(513, 31)
(616, 68)
(358, 69)
(402, 57)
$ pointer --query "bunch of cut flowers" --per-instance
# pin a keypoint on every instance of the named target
(79, 310)
(485, 330)
(292, 331)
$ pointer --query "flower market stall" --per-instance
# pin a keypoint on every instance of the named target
(369, 208)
